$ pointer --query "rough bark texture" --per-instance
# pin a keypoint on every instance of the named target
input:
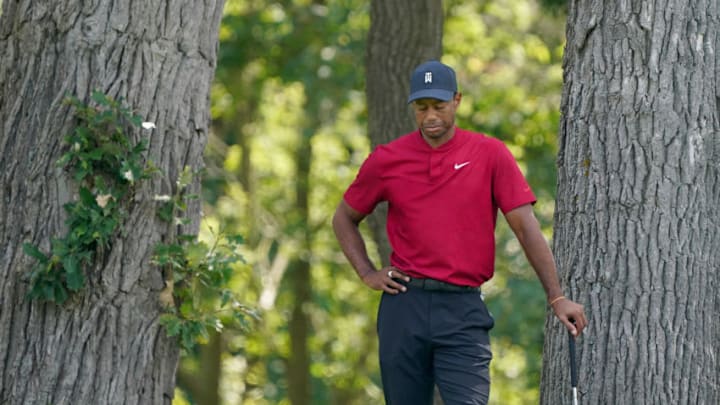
(636, 236)
(403, 34)
(105, 345)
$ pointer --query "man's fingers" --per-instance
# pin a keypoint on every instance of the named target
(394, 288)
(576, 324)
(387, 281)
(394, 273)
(571, 327)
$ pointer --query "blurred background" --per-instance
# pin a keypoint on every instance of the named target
(288, 135)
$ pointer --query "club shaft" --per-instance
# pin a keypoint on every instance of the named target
(573, 368)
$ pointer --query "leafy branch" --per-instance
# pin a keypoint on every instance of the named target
(196, 295)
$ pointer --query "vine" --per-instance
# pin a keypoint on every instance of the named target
(107, 168)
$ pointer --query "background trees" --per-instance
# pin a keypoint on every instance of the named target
(507, 54)
(636, 213)
(105, 344)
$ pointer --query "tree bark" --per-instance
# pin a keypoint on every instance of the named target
(636, 219)
(105, 345)
(403, 34)
(298, 273)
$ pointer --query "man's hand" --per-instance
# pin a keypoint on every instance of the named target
(384, 279)
(568, 312)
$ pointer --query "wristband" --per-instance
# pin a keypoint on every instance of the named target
(562, 297)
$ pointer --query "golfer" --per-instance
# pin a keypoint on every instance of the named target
(444, 186)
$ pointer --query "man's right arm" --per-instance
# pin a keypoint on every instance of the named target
(345, 224)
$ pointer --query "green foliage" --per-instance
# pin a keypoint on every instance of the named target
(198, 277)
(292, 68)
(107, 168)
(105, 165)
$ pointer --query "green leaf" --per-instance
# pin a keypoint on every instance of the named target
(73, 273)
(95, 154)
(60, 293)
(196, 253)
(32, 251)
(165, 211)
(225, 297)
(185, 178)
(86, 197)
(99, 97)
(136, 120)
(171, 323)
(140, 147)
(236, 239)
(80, 174)
(59, 247)
(64, 159)
(186, 309)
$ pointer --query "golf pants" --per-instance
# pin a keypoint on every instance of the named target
(432, 337)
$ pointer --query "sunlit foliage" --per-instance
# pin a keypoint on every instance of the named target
(290, 74)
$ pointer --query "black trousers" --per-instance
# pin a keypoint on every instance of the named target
(434, 337)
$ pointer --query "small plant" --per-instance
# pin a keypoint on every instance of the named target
(107, 167)
(197, 275)
(104, 163)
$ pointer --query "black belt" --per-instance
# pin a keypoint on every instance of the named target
(429, 284)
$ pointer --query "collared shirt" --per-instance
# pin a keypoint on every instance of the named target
(442, 202)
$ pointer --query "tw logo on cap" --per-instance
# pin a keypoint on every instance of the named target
(432, 79)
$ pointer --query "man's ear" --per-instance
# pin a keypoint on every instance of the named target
(456, 98)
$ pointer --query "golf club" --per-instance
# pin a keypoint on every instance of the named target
(573, 368)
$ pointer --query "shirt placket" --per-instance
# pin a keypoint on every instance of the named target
(438, 166)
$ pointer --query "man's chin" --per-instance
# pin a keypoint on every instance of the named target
(434, 133)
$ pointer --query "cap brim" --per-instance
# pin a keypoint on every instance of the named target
(438, 94)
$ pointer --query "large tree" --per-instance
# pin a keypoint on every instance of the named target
(636, 215)
(104, 345)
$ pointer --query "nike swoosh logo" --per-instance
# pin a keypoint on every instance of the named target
(459, 166)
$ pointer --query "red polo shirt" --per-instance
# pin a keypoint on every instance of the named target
(442, 203)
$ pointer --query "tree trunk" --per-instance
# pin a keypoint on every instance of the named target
(636, 236)
(299, 277)
(403, 34)
(105, 345)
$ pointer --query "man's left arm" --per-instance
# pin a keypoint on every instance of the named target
(527, 229)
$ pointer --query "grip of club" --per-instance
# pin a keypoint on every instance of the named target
(573, 366)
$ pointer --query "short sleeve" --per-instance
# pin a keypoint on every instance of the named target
(510, 188)
(365, 192)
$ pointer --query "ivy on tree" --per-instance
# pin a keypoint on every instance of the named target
(106, 166)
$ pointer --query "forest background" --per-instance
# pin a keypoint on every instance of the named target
(289, 124)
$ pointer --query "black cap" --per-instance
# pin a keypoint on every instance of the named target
(432, 79)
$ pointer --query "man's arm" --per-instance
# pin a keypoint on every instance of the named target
(527, 229)
(345, 224)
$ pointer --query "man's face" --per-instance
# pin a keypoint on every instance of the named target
(436, 118)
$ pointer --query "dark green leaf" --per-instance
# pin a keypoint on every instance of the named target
(33, 251)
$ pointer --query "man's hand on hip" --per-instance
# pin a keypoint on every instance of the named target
(384, 279)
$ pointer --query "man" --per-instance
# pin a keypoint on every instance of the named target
(444, 186)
